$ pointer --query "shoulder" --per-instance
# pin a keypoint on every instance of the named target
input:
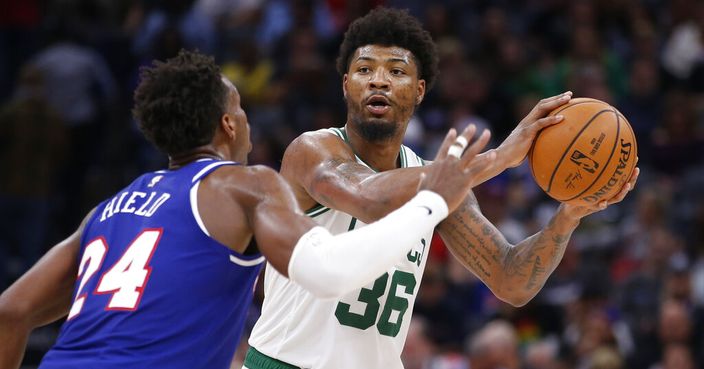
(243, 186)
(242, 177)
(315, 141)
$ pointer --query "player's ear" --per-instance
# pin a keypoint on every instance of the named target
(228, 126)
(344, 86)
(421, 91)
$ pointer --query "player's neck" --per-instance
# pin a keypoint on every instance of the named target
(202, 152)
(381, 156)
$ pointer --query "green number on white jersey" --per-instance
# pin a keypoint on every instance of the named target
(371, 298)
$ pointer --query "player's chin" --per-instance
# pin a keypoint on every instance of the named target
(379, 120)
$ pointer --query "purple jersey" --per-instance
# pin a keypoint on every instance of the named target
(154, 290)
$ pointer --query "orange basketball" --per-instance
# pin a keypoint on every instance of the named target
(587, 157)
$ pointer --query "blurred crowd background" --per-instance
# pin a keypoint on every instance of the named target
(630, 290)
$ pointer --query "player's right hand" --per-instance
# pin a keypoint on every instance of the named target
(515, 147)
(450, 176)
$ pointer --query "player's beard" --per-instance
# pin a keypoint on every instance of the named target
(375, 129)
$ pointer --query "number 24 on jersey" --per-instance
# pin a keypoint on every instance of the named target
(125, 280)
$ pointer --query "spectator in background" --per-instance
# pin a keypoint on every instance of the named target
(588, 59)
(252, 72)
(419, 348)
(178, 17)
(32, 149)
(604, 358)
(641, 295)
(80, 87)
(676, 356)
(542, 354)
(435, 303)
(649, 213)
(19, 22)
(677, 140)
(494, 346)
(683, 49)
(675, 335)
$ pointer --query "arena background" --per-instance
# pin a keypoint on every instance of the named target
(630, 290)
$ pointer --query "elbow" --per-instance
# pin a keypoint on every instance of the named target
(515, 301)
(11, 315)
(519, 301)
(515, 298)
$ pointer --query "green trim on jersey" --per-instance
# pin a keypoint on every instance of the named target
(256, 360)
(353, 223)
(402, 154)
(317, 210)
(342, 133)
(347, 141)
(338, 132)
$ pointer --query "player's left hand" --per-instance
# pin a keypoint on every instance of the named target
(579, 212)
(515, 147)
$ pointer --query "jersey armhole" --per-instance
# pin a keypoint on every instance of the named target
(193, 197)
(235, 257)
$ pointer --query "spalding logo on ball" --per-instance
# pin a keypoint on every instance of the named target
(586, 158)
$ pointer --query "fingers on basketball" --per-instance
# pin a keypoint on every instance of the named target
(548, 121)
(628, 187)
(549, 104)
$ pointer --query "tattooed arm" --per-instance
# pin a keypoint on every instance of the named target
(514, 273)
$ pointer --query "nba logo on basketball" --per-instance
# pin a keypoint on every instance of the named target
(584, 161)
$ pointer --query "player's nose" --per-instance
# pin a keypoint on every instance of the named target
(379, 79)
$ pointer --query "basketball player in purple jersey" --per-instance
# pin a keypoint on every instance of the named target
(161, 274)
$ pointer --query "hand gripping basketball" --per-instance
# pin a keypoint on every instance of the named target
(588, 157)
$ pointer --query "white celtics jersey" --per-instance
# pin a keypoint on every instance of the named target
(365, 329)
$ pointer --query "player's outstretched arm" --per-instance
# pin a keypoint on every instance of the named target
(330, 266)
(39, 297)
(514, 273)
(322, 168)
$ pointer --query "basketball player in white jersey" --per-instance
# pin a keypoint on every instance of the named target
(347, 177)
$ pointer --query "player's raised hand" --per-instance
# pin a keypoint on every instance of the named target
(515, 147)
(450, 174)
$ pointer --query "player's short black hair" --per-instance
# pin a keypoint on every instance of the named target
(391, 27)
(178, 103)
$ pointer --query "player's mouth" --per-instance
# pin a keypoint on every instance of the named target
(378, 104)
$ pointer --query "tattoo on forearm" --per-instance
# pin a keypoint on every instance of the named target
(538, 270)
(482, 249)
(477, 251)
